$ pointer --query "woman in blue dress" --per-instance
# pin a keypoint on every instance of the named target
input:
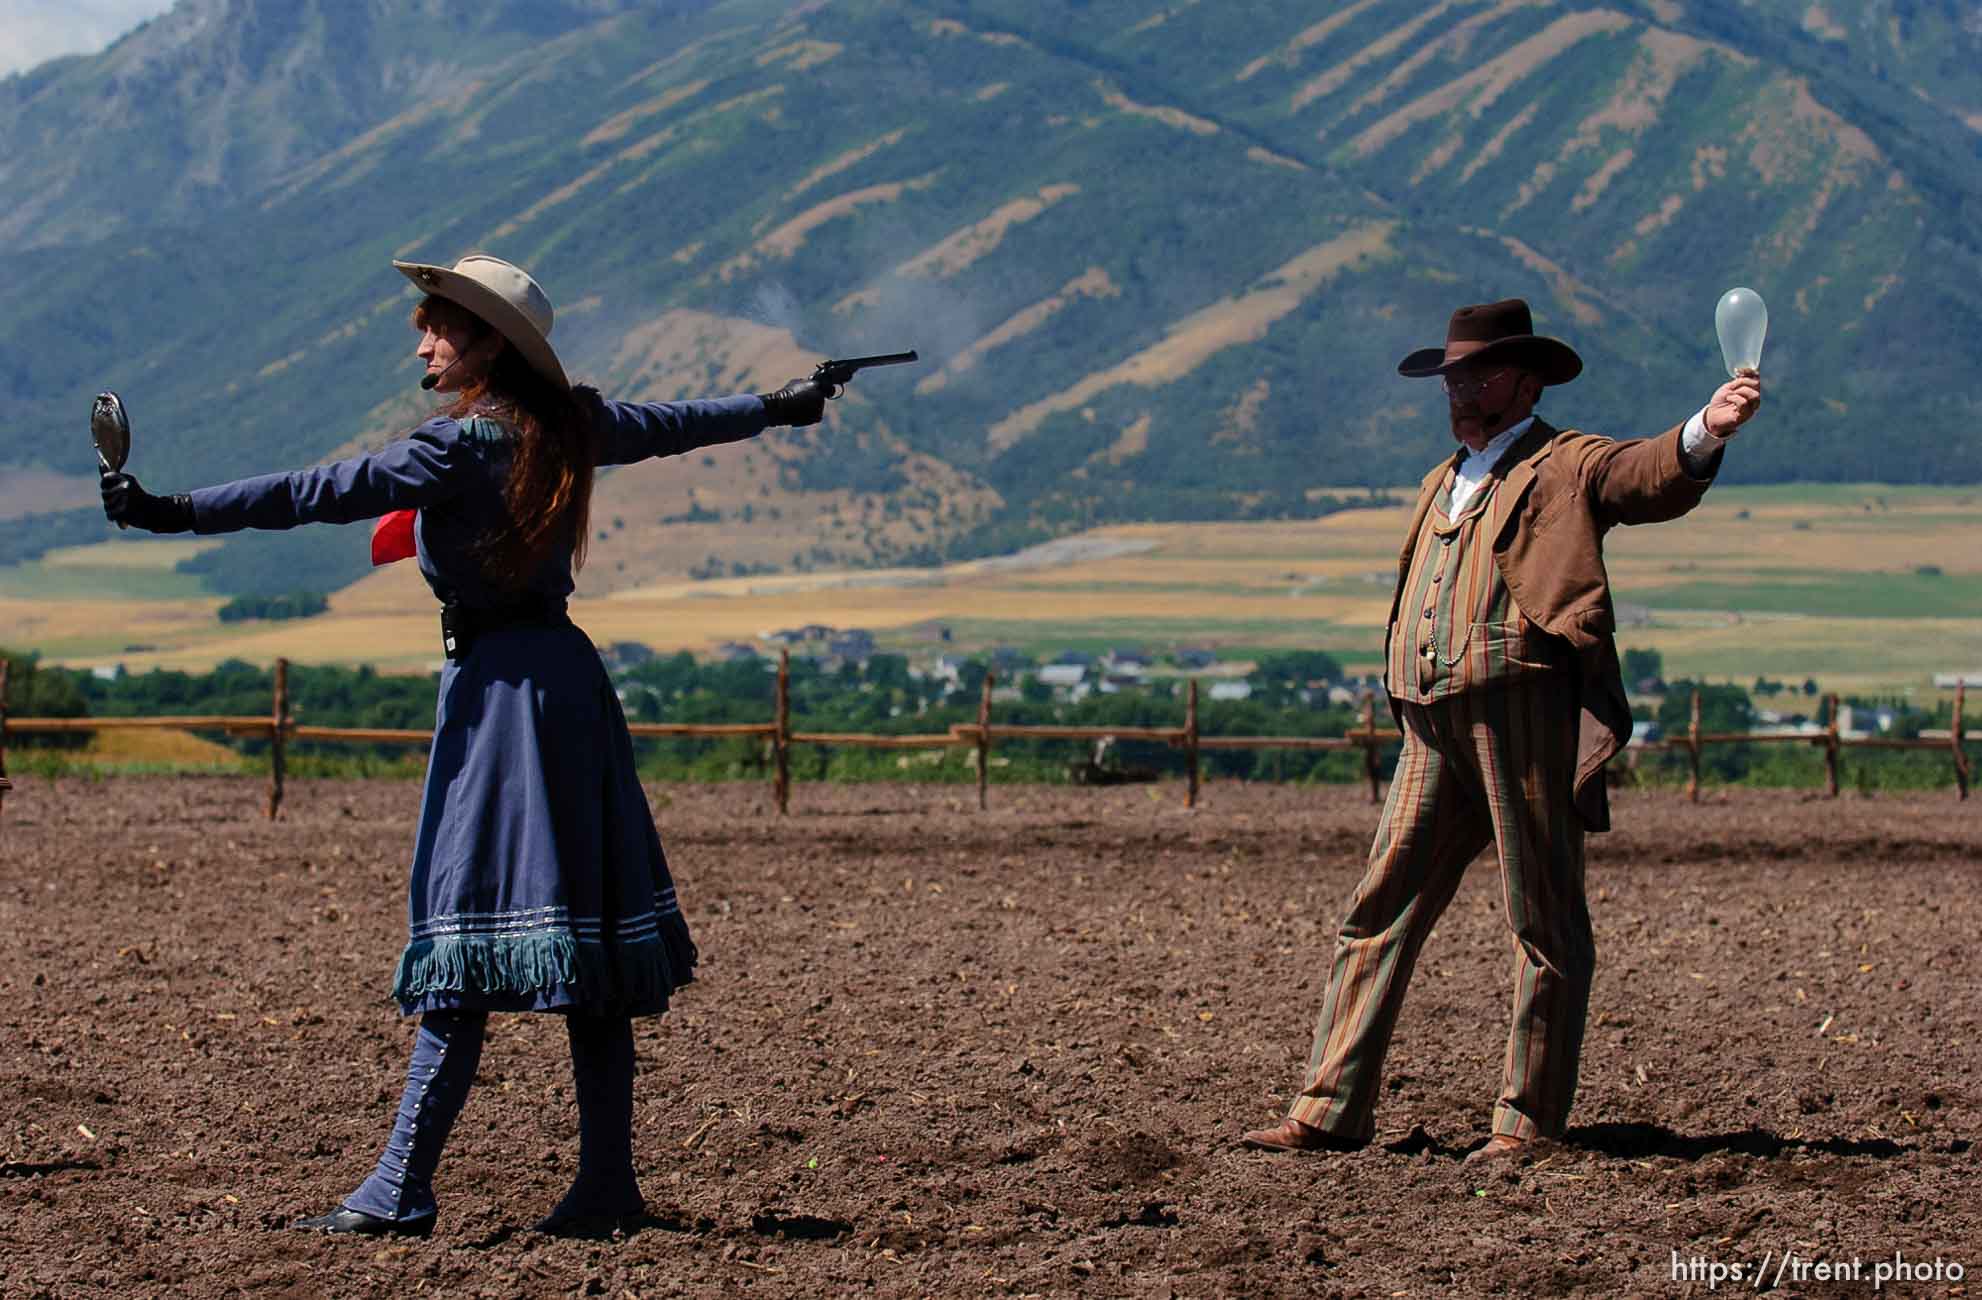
(538, 880)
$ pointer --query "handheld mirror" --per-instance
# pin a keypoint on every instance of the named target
(110, 430)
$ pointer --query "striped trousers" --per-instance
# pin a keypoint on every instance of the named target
(1490, 766)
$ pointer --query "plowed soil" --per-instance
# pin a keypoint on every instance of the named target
(937, 1051)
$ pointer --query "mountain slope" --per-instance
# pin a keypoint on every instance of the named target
(1160, 259)
(209, 102)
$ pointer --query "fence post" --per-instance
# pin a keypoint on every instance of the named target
(1369, 747)
(1190, 743)
(6, 785)
(984, 742)
(1831, 751)
(781, 738)
(1954, 731)
(278, 734)
(1693, 743)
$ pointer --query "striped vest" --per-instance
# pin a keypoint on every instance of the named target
(1457, 628)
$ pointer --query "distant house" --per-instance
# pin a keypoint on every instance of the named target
(1856, 723)
(1007, 660)
(854, 643)
(1126, 661)
(1062, 677)
(1114, 682)
(730, 652)
(1080, 657)
(1645, 732)
(816, 632)
(1948, 681)
(949, 668)
(1628, 615)
(619, 656)
(783, 636)
(1194, 657)
(1236, 688)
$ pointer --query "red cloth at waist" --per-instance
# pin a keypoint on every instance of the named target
(392, 537)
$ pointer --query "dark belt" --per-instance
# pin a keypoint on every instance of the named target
(462, 625)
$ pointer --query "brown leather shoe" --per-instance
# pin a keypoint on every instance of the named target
(1292, 1135)
(1501, 1146)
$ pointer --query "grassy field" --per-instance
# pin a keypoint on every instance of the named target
(1904, 596)
(1866, 588)
(118, 570)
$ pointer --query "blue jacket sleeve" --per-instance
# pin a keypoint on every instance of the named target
(633, 431)
(422, 469)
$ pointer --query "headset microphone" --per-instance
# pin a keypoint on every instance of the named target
(1490, 420)
(432, 381)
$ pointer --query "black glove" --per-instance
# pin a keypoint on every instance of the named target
(800, 402)
(125, 502)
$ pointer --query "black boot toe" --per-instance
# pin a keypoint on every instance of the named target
(592, 1222)
(343, 1222)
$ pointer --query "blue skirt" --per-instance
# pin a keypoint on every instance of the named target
(538, 883)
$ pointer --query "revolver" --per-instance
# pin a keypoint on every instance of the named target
(832, 376)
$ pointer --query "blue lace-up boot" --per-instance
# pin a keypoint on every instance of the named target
(398, 1198)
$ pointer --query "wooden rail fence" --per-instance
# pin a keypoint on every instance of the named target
(1828, 739)
(281, 729)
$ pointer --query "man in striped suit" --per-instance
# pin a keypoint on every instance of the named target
(1505, 682)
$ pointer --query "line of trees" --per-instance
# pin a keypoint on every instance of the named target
(882, 695)
(293, 604)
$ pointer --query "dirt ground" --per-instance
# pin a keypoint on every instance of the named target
(942, 1052)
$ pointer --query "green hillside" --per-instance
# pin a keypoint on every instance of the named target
(1160, 258)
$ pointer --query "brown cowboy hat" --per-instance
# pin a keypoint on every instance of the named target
(1495, 332)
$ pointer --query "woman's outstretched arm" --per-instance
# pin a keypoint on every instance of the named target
(421, 469)
(633, 431)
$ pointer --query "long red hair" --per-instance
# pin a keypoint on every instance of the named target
(548, 498)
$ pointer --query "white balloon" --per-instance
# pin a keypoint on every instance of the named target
(1742, 321)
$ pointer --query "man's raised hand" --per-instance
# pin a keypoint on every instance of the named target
(1733, 403)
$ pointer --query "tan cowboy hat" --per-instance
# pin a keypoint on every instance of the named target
(503, 295)
(1490, 332)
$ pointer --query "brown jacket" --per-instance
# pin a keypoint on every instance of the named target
(1560, 492)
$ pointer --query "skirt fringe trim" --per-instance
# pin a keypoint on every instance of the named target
(635, 977)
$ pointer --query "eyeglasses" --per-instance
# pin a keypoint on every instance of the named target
(1471, 385)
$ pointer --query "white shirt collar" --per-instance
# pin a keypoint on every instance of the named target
(1476, 465)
